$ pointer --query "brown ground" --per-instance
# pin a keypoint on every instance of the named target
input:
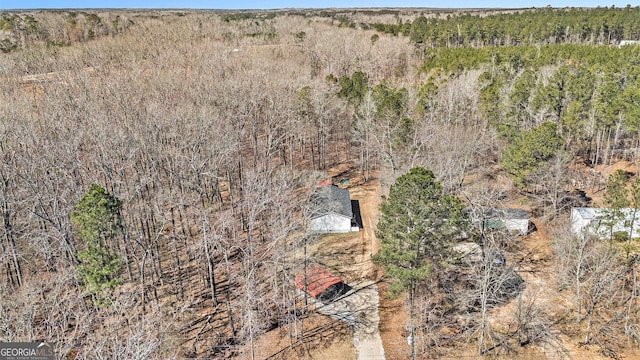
(325, 339)
(393, 318)
(347, 254)
(535, 266)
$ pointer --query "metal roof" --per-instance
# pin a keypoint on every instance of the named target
(595, 213)
(588, 213)
(511, 213)
(318, 280)
(331, 199)
(502, 214)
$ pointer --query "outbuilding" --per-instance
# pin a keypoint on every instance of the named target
(603, 222)
(333, 212)
(321, 284)
(511, 219)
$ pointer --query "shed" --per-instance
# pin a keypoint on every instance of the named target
(595, 221)
(628, 42)
(512, 219)
(333, 211)
(321, 284)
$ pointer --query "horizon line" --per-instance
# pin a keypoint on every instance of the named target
(320, 8)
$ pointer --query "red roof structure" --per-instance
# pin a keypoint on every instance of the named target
(318, 280)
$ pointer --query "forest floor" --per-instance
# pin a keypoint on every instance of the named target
(382, 333)
(534, 263)
(349, 255)
(349, 327)
(367, 338)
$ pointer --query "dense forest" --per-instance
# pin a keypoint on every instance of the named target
(158, 168)
(521, 27)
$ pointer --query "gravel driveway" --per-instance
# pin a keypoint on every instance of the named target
(359, 309)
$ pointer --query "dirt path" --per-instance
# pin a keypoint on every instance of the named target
(349, 256)
(359, 309)
(366, 338)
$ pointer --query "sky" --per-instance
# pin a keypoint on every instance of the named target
(279, 4)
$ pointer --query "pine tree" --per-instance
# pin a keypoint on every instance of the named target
(417, 224)
(96, 218)
(530, 151)
(616, 197)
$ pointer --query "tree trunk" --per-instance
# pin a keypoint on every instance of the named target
(211, 269)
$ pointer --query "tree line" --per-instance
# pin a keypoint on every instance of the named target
(520, 27)
(203, 140)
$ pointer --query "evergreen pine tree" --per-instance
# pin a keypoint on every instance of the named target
(615, 196)
(531, 150)
(418, 222)
(96, 218)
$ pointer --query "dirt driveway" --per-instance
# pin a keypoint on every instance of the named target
(349, 255)
(359, 309)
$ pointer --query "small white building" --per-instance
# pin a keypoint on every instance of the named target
(603, 222)
(628, 42)
(511, 219)
(333, 212)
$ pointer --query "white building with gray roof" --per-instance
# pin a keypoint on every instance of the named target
(332, 211)
(512, 219)
(603, 222)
